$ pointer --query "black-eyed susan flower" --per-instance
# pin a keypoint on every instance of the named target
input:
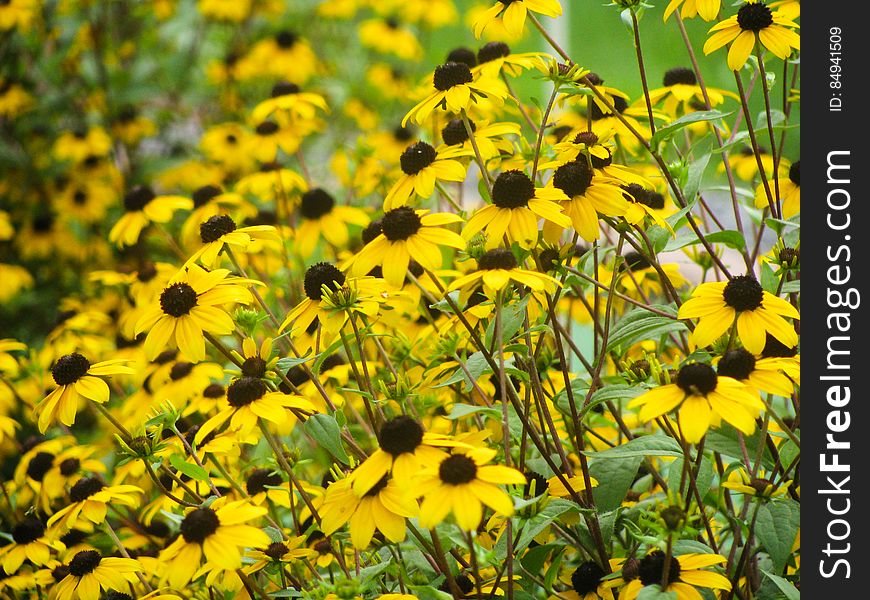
(764, 374)
(79, 144)
(681, 93)
(76, 378)
(754, 21)
(323, 218)
(588, 196)
(405, 234)
(717, 305)
(496, 268)
(789, 191)
(288, 98)
(512, 13)
(29, 542)
(462, 484)
(141, 207)
(516, 206)
(495, 58)
(89, 573)
(455, 90)
(701, 398)
(283, 553)
(208, 201)
(384, 508)
(189, 306)
(488, 137)
(422, 166)
(389, 36)
(403, 448)
(221, 231)
(588, 582)
(250, 400)
(218, 532)
(89, 502)
(685, 573)
(689, 9)
(761, 485)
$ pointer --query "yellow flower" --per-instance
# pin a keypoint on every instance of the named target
(90, 498)
(387, 36)
(188, 307)
(516, 206)
(462, 484)
(90, 573)
(288, 99)
(718, 304)
(684, 575)
(422, 166)
(218, 532)
(76, 377)
(220, 231)
(789, 192)
(142, 206)
(497, 268)
(29, 542)
(80, 144)
(321, 218)
(513, 14)
(708, 9)
(764, 374)
(702, 398)
(455, 89)
(754, 22)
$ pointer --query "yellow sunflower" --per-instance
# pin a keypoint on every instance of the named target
(702, 398)
(496, 268)
(789, 192)
(322, 218)
(189, 306)
(142, 206)
(220, 231)
(90, 573)
(718, 304)
(455, 89)
(764, 374)
(462, 484)
(516, 206)
(29, 542)
(422, 166)
(406, 234)
(76, 377)
(89, 502)
(685, 573)
(689, 9)
(754, 21)
(512, 13)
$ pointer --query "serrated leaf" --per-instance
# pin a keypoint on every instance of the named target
(647, 445)
(684, 121)
(776, 528)
(326, 432)
(191, 470)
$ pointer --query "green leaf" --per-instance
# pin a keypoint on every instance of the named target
(427, 592)
(463, 410)
(533, 560)
(647, 445)
(640, 324)
(512, 318)
(326, 432)
(731, 238)
(191, 470)
(694, 175)
(724, 441)
(703, 479)
(785, 586)
(285, 364)
(776, 527)
(659, 236)
(539, 522)
(654, 592)
(684, 121)
(477, 366)
(691, 547)
(615, 477)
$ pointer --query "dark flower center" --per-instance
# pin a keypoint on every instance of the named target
(180, 370)
(254, 367)
(199, 524)
(463, 55)
(70, 368)
(286, 39)
(259, 479)
(245, 390)
(754, 16)
(69, 466)
(586, 578)
(536, 484)
(400, 223)
(74, 537)
(549, 259)
(320, 274)
(266, 128)
(147, 272)
(39, 465)
(451, 74)
(457, 469)
(403, 134)
(137, 198)
(113, 595)
(680, 75)
(651, 569)
(492, 51)
(157, 528)
(231, 139)
(43, 223)
(376, 489)
(178, 299)
(455, 133)
(600, 163)
(85, 487)
(773, 348)
(743, 292)
(698, 379)
(371, 231)
(586, 137)
(573, 178)
(400, 435)
(284, 88)
(497, 258)
(165, 357)
(512, 189)
(276, 550)
(203, 194)
(738, 364)
(619, 104)
(794, 173)
(636, 261)
(417, 157)
(316, 203)
(28, 530)
(215, 390)
(84, 562)
(80, 197)
(641, 195)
